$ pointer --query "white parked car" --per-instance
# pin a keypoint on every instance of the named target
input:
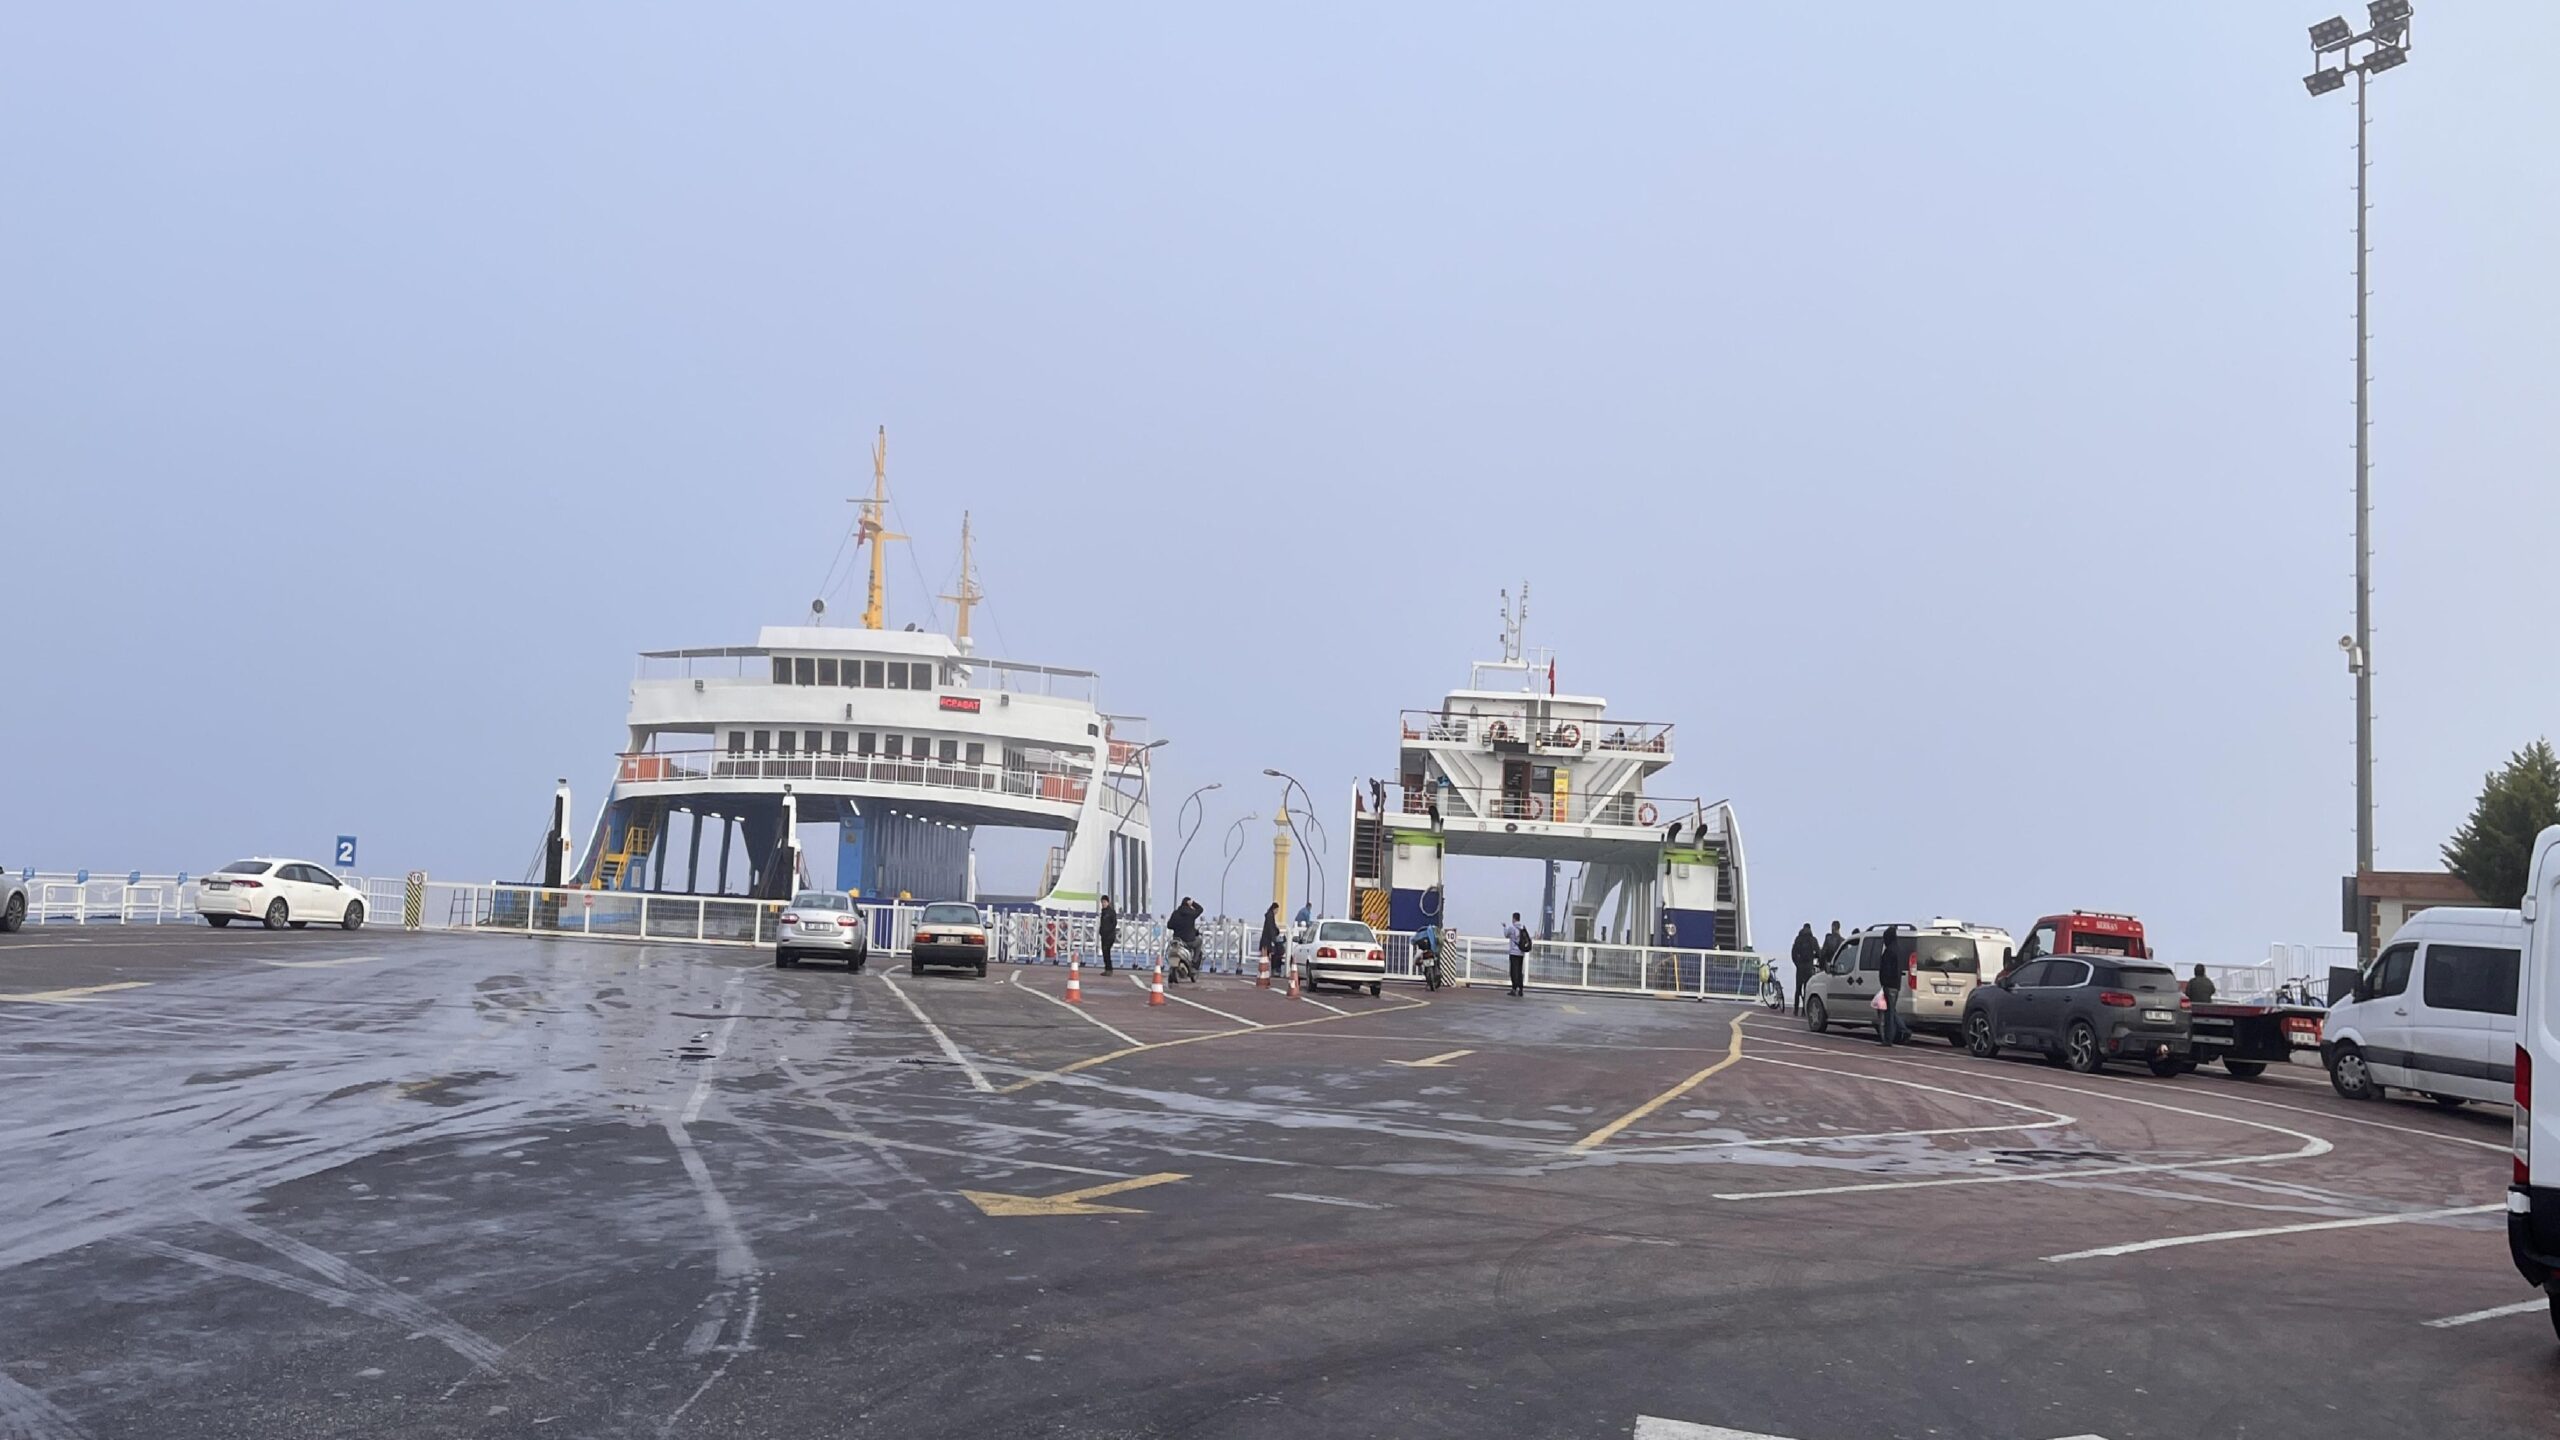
(1340, 952)
(13, 903)
(277, 893)
(822, 924)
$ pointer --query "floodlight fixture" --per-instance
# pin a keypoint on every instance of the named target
(2321, 82)
(2384, 12)
(2385, 57)
(2332, 34)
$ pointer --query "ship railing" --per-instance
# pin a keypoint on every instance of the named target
(1646, 737)
(1627, 809)
(1028, 782)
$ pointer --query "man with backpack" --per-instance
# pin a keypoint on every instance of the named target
(1518, 935)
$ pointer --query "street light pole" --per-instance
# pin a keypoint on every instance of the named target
(1185, 848)
(1315, 877)
(1233, 845)
(2385, 46)
(1111, 861)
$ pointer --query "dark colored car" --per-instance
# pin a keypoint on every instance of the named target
(2083, 1011)
(949, 932)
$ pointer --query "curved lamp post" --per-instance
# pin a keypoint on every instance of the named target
(1315, 877)
(1184, 809)
(1233, 845)
(1111, 862)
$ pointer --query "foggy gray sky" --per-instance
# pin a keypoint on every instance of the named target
(1941, 412)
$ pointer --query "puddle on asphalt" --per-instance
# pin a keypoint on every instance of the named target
(245, 1072)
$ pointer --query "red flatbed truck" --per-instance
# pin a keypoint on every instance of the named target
(2249, 1038)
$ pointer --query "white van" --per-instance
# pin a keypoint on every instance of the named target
(1943, 960)
(2435, 1012)
(2533, 1200)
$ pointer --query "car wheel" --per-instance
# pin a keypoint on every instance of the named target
(2080, 1049)
(354, 918)
(217, 921)
(276, 916)
(2554, 1288)
(1978, 1038)
(15, 915)
(1816, 1019)
(914, 966)
(781, 959)
(2447, 1102)
(2349, 1074)
(2246, 1069)
(982, 969)
(853, 963)
(1376, 988)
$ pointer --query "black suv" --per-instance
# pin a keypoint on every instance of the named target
(2082, 1011)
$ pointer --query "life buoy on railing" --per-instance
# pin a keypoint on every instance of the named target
(1497, 732)
(1537, 808)
(1570, 736)
(1646, 814)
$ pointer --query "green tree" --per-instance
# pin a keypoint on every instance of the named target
(2493, 849)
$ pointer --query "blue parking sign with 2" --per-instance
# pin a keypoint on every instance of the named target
(346, 851)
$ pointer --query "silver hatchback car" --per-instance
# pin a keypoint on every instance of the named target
(822, 924)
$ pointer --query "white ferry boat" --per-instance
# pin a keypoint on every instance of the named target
(904, 741)
(1510, 766)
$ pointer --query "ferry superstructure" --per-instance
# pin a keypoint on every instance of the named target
(1509, 766)
(903, 740)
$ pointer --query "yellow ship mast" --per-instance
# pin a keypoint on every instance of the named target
(874, 529)
(970, 595)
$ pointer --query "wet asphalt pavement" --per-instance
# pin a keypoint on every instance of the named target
(321, 1184)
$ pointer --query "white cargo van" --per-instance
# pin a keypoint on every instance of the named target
(1943, 959)
(2434, 1012)
(2533, 1199)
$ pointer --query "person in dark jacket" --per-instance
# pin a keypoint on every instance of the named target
(2200, 988)
(1109, 932)
(1890, 1027)
(1831, 944)
(1807, 951)
(1271, 945)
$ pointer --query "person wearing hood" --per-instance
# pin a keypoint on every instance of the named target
(1805, 952)
(1271, 945)
(1890, 960)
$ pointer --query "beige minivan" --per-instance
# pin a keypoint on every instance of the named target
(1943, 960)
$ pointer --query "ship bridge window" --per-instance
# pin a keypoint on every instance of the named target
(809, 741)
(781, 669)
(871, 676)
(977, 752)
(866, 743)
(804, 671)
(923, 674)
(835, 742)
(897, 747)
(789, 742)
(897, 677)
(764, 741)
(827, 671)
(737, 742)
(950, 752)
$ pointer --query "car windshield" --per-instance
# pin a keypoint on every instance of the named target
(2149, 980)
(2090, 942)
(1352, 930)
(949, 915)
(245, 867)
(1956, 953)
(820, 900)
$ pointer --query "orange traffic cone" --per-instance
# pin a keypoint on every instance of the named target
(1264, 979)
(1293, 982)
(1075, 981)
(1155, 992)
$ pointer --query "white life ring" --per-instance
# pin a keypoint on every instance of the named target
(1570, 736)
(1646, 814)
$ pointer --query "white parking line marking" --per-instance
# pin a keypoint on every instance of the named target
(1076, 1010)
(1654, 1427)
(1196, 1005)
(2525, 1307)
(75, 996)
(1310, 999)
(2361, 1221)
(1329, 1200)
(976, 1077)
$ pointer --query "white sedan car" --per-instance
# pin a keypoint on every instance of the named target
(277, 893)
(1340, 952)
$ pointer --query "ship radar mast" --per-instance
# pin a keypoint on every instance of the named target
(1515, 620)
(970, 596)
(873, 529)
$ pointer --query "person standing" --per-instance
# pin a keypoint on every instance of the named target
(1831, 944)
(1271, 945)
(1889, 962)
(1517, 935)
(1108, 930)
(2200, 988)
(1806, 951)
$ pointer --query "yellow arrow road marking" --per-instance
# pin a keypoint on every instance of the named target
(1432, 1062)
(1070, 1203)
(71, 997)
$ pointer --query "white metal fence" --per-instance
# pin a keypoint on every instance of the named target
(1016, 936)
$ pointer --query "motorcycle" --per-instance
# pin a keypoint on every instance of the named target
(1430, 965)
(1181, 962)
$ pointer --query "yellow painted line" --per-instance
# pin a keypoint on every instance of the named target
(70, 997)
(1600, 1137)
(1123, 1054)
(1431, 1062)
(1073, 1202)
